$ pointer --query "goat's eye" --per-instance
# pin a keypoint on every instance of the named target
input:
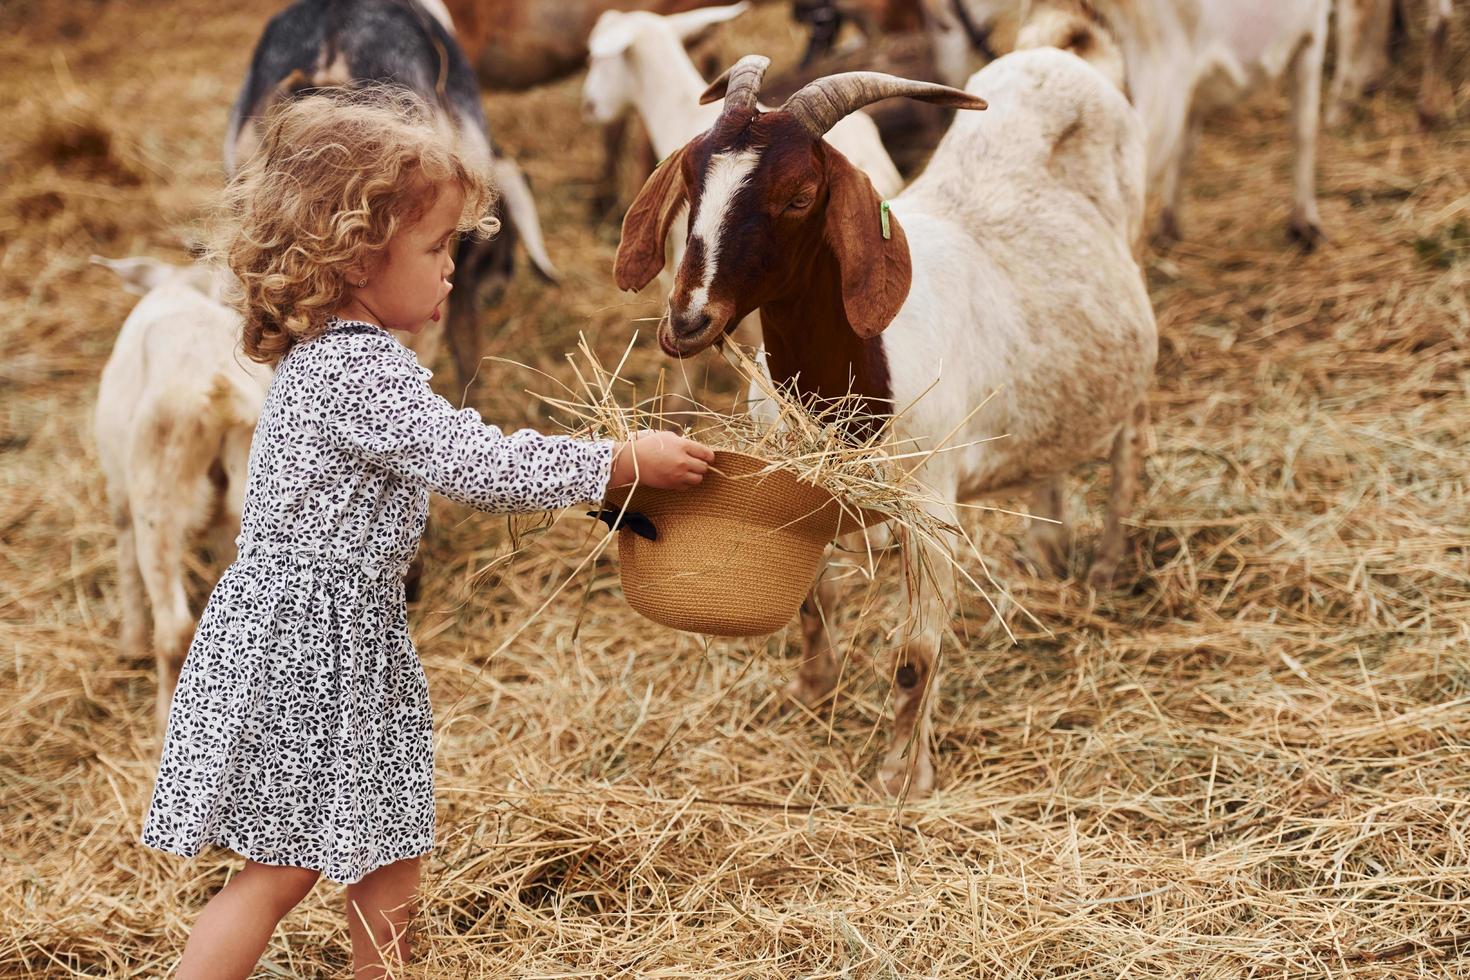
(800, 202)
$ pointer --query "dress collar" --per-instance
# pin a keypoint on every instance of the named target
(335, 322)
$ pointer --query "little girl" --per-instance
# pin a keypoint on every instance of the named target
(299, 735)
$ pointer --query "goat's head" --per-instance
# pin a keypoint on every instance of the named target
(612, 52)
(607, 92)
(768, 200)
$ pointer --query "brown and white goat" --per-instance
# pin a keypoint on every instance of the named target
(176, 410)
(1005, 270)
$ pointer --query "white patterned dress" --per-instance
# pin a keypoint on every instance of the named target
(300, 731)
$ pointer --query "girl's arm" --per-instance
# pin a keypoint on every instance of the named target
(378, 406)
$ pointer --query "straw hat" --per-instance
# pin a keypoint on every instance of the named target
(734, 556)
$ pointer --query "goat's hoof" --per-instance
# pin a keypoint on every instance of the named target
(894, 775)
(1306, 231)
(1168, 232)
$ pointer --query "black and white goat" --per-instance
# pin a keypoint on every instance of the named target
(318, 43)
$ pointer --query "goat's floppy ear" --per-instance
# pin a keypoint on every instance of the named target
(871, 248)
(646, 225)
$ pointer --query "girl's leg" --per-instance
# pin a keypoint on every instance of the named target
(231, 933)
(378, 910)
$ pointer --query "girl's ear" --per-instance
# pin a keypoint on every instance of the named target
(646, 225)
(871, 248)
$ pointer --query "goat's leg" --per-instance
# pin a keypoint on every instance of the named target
(1169, 230)
(234, 456)
(1306, 98)
(1362, 36)
(1127, 466)
(131, 596)
(1351, 17)
(605, 192)
(1047, 532)
(462, 330)
(817, 674)
(907, 770)
(162, 537)
(1385, 21)
(1435, 98)
(622, 139)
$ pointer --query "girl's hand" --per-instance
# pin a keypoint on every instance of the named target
(660, 459)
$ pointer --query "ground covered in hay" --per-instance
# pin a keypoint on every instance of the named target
(1251, 761)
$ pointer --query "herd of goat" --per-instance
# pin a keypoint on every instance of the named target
(922, 298)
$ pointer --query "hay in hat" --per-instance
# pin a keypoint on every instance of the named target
(863, 472)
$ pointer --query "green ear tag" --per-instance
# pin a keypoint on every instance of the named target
(883, 215)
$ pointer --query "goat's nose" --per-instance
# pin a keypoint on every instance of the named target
(688, 323)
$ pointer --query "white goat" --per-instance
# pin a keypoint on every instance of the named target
(1178, 60)
(638, 62)
(1363, 28)
(176, 410)
(1005, 270)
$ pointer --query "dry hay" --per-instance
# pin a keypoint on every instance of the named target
(1249, 763)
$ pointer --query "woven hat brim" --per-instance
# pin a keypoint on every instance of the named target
(850, 518)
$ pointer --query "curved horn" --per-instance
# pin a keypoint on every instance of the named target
(740, 85)
(821, 104)
(520, 205)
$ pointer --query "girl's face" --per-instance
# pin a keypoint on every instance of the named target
(408, 283)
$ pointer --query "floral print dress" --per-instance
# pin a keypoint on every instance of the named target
(300, 731)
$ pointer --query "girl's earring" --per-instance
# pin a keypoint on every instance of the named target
(361, 283)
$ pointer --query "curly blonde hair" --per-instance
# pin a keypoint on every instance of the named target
(337, 173)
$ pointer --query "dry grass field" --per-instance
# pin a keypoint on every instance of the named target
(1251, 761)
